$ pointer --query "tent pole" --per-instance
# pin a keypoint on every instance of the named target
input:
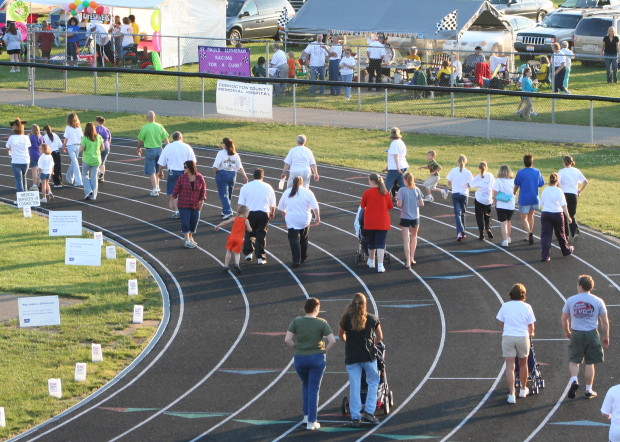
(202, 95)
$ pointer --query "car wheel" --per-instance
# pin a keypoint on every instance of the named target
(234, 36)
(540, 16)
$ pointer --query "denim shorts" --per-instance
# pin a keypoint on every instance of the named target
(528, 208)
(404, 222)
(151, 156)
(33, 162)
(45, 176)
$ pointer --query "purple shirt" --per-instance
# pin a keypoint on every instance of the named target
(33, 150)
(105, 134)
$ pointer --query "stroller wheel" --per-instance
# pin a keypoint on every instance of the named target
(542, 384)
(386, 406)
(345, 405)
(357, 258)
(391, 398)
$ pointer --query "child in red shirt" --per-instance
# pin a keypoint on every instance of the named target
(235, 239)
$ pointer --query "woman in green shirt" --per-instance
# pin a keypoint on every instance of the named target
(310, 349)
(91, 147)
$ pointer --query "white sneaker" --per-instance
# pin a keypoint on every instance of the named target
(189, 245)
(504, 244)
(248, 257)
(34, 187)
(380, 268)
(509, 240)
(154, 192)
(428, 198)
(511, 399)
(313, 426)
(524, 392)
(43, 200)
(305, 420)
(370, 263)
(261, 261)
(444, 194)
(534, 114)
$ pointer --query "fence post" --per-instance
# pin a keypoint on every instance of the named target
(32, 73)
(117, 92)
(95, 75)
(294, 104)
(488, 116)
(386, 110)
(591, 123)
(202, 95)
(359, 80)
(179, 68)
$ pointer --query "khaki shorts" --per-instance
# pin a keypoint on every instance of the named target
(431, 182)
(518, 346)
(585, 347)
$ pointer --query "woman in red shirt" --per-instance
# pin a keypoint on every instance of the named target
(191, 191)
(376, 203)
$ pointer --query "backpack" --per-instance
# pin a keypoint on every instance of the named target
(496, 83)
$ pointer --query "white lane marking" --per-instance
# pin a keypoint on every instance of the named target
(462, 379)
(546, 419)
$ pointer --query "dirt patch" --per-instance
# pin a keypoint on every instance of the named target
(132, 327)
(9, 309)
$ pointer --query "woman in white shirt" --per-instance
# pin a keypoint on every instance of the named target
(18, 145)
(517, 320)
(127, 41)
(460, 178)
(279, 65)
(504, 201)
(13, 41)
(553, 208)
(396, 161)
(347, 66)
(300, 162)
(572, 183)
(225, 167)
(296, 205)
(71, 145)
(484, 183)
(53, 141)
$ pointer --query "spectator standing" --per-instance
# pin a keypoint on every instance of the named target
(504, 201)
(376, 203)
(376, 57)
(396, 161)
(174, 157)
(91, 147)
(360, 331)
(53, 141)
(45, 41)
(409, 200)
(116, 37)
(317, 52)
(457, 68)
(569, 61)
(261, 200)
(610, 49)
(611, 411)
(225, 167)
(335, 55)
(459, 178)
(347, 66)
(552, 218)
(297, 204)
(280, 64)
(484, 198)
(293, 65)
(73, 39)
(151, 137)
(581, 316)
(433, 178)
(13, 41)
(136, 30)
(558, 60)
(101, 37)
(306, 335)
(191, 191)
(300, 162)
(527, 182)
(35, 141)
(107, 139)
(18, 145)
(572, 182)
(71, 145)
(127, 40)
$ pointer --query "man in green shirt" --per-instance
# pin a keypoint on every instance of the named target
(150, 138)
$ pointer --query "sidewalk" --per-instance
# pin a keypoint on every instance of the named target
(508, 130)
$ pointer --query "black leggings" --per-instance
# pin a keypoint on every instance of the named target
(57, 177)
(483, 216)
(571, 205)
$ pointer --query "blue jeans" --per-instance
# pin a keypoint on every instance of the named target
(355, 385)
(171, 182)
(347, 90)
(334, 75)
(225, 181)
(90, 178)
(317, 72)
(394, 177)
(189, 219)
(73, 172)
(611, 66)
(19, 171)
(460, 205)
(310, 369)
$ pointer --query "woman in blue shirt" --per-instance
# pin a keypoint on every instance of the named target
(73, 37)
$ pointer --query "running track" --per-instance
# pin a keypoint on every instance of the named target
(221, 371)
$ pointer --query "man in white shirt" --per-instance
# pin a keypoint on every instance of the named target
(316, 51)
(335, 54)
(280, 65)
(611, 411)
(102, 38)
(260, 198)
(174, 157)
(558, 60)
(300, 161)
(376, 57)
(569, 57)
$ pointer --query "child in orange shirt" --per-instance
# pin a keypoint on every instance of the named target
(235, 239)
(293, 65)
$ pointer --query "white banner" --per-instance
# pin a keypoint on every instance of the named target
(38, 311)
(28, 199)
(65, 223)
(244, 99)
(82, 252)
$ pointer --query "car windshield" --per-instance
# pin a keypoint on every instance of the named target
(594, 27)
(561, 21)
(499, 2)
(579, 4)
(233, 8)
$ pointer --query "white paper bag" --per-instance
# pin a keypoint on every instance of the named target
(96, 353)
(281, 183)
(2, 419)
(132, 288)
(27, 212)
(99, 236)
(130, 265)
(110, 252)
(54, 386)
(138, 314)
(80, 372)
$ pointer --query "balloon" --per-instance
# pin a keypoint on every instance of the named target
(90, 10)
(156, 41)
(21, 27)
(106, 9)
(73, 12)
(67, 7)
(156, 20)
(19, 11)
(156, 61)
(80, 8)
(99, 10)
(72, 6)
(93, 5)
(85, 3)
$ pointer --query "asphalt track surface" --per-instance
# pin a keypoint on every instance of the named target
(221, 371)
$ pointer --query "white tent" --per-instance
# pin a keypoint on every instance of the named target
(204, 20)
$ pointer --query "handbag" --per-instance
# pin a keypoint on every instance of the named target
(503, 196)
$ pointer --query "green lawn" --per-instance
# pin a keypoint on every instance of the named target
(100, 311)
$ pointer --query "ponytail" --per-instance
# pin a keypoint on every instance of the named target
(378, 180)
(297, 181)
(568, 161)
(483, 167)
(462, 161)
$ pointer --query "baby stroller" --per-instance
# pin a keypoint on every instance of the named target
(361, 255)
(534, 373)
(385, 397)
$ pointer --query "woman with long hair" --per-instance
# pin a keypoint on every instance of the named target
(18, 145)
(553, 214)
(53, 141)
(409, 199)
(484, 198)
(297, 204)
(71, 145)
(459, 178)
(360, 331)
(191, 191)
(13, 41)
(610, 48)
(376, 203)
(504, 201)
(225, 167)
(572, 182)
(91, 147)
(306, 335)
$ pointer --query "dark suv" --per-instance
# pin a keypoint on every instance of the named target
(254, 18)
(557, 27)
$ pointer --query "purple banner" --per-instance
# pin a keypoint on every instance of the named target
(224, 61)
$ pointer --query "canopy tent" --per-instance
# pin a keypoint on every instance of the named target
(413, 18)
(205, 20)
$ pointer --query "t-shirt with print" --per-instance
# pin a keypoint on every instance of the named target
(432, 167)
(152, 135)
(317, 54)
(516, 316)
(309, 333)
(360, 345)
(529, 180)
(584, 310)
(611, 405)
(410, 208)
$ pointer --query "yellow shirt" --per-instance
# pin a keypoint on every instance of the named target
(136, 30)
(413, 57)
(446, 71)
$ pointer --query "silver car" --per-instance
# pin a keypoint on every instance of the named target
(534, 9)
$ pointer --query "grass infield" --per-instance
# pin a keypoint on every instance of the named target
(95, 308)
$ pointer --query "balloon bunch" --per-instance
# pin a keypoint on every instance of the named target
(156, 25)
(91, 7)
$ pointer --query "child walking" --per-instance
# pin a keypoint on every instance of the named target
(431, 182)
(33, 150)
(484, 199)
(235, 239)
(45, 168)
(107, 138)
(409, 199)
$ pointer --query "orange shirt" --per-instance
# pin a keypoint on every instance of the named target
(376, 209)
(238, 228)
(293, 65)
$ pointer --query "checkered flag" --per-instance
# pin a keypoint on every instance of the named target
(283, 19)
(449, 22)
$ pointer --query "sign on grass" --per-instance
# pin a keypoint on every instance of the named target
(82, 252)
(38, 311)
(244, 99)
(28, 199)
(65, 223)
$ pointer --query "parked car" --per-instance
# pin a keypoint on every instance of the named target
(589, 34)
(254, 18)
(588, 4)
(491, 39)
(557, 27)
(536, 9)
